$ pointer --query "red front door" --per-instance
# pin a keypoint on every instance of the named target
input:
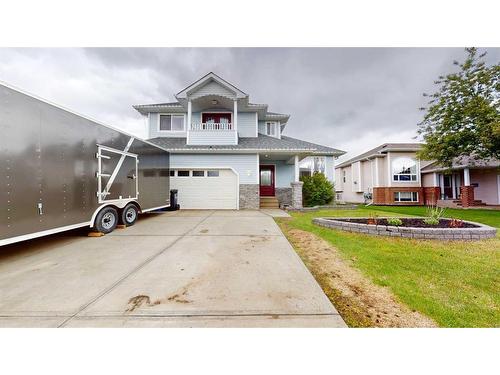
(266, 180)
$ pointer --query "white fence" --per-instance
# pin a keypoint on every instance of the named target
(212, 126)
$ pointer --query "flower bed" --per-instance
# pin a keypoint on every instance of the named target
(411, 228)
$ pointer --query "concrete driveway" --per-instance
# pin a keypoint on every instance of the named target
(173, 269)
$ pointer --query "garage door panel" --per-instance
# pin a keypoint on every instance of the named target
(207, 192)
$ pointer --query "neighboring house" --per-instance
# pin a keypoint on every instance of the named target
(227, 152)
(468, 182)
(391, 174)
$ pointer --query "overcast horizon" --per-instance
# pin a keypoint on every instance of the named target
(352, 99)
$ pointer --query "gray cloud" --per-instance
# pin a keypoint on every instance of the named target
(349, 98)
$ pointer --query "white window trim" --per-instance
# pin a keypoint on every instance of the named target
(416, 174)
(411, 201)
(273, 125)
(171, 131)
(256, 124)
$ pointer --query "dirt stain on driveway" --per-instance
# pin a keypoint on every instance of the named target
(179, 296)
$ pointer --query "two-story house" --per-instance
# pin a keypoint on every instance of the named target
(229, 153)
(391, 174)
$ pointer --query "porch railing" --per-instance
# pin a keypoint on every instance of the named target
(212, 126)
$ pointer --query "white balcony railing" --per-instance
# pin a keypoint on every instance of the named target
(212, 126)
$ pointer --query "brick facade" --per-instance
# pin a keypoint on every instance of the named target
(467, 196)
(431, 195)
(385, 196)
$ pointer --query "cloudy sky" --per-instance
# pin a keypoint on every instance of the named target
(348, 98)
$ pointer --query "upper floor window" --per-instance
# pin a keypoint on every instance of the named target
(404, 169)
(271, 128)
(171, 123)
(343, 176)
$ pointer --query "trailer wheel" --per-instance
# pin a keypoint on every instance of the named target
(106, 220)
(129, 214)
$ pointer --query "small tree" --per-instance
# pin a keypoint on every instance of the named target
(317, 190)
(463, 117)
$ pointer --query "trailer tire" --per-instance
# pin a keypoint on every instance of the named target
(129, 215)
(106, 220)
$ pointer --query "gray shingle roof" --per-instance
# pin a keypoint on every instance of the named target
(464, 162)
(260, 143)
(379, 150)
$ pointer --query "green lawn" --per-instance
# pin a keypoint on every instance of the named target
(455, 283)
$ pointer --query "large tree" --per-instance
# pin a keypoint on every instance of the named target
(463, 116)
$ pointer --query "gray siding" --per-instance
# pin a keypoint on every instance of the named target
(212, 88)
(247, 124)
(285, 173)
(262, 127)
(195, 117)
(245, 165)
(221, 137)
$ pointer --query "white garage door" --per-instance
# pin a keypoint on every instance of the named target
(205, 188)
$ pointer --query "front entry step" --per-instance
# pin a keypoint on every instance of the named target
(269, 202)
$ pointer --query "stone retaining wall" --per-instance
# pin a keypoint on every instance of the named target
(451, 234)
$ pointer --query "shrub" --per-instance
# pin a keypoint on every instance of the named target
(317, 190)
(435, 212)
(431, 221)
(394, 221)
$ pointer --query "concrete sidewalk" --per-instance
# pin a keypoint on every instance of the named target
(172, 269)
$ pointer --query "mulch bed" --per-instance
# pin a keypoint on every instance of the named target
(414, 223)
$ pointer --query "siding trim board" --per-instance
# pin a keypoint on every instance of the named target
(244, 164)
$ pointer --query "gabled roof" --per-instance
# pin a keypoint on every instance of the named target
(262, 143)
(231, 91)
(381, 151)
(208, 78)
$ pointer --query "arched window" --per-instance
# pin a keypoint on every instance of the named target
(404, 169)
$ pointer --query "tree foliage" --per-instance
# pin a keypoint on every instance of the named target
(317, 190)
(463, 116)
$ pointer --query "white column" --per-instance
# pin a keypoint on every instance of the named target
(389, 170)
(466, 177)
(297, 169)
(441, 183)
(188, 125)
(435, 181)
(235, 118)
(372, 170)
(453, 187)
(377, 179)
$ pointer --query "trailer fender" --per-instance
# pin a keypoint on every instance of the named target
(116, 204)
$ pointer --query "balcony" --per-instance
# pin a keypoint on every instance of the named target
(211, 126)
(212, 133)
